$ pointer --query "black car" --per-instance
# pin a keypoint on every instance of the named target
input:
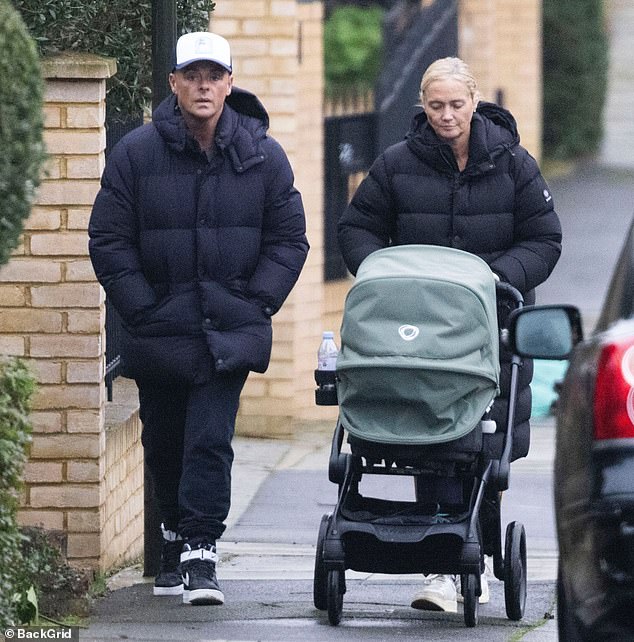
(594, 457)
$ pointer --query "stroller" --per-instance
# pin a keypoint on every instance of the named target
(416, 378)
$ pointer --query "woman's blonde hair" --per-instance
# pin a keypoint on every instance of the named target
(445, 68)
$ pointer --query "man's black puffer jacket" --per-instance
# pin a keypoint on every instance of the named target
(196, 254)
(499, 208)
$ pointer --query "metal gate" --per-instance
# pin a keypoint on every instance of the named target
(411, 42)
(413, 37)
(350, 148)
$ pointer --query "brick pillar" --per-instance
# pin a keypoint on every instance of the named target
(52, 314)
(519, 37)
(277, 54)
(501, 41)
(477, 42)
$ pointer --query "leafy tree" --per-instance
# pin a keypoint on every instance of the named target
(21, 159)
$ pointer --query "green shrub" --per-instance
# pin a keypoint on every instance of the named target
(115, 28)
(22, 151)
(575, 77)
(16, 389)
(352, 48)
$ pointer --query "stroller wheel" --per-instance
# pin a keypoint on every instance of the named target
(515, 571)
(335, 589)
(320, 593)
(471, 601)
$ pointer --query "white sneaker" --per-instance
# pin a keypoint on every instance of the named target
(484, 585)
(438, 594)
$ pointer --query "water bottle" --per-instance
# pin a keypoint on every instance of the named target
(325, 377)
(327, 353)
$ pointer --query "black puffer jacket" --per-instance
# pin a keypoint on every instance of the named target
(499, 208)
(197, 254)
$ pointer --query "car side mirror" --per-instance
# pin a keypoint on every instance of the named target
(545, 331)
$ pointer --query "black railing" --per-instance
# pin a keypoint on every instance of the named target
(116, 128)
(350, 148)
(113, 358)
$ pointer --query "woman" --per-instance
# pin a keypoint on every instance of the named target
(461, 179)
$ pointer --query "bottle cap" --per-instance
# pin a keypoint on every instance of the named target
(328, 334)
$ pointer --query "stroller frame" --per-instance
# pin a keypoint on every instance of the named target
(385, 536)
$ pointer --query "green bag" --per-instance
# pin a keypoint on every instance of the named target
(419, 360)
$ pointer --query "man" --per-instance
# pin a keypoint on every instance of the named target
(197, 236)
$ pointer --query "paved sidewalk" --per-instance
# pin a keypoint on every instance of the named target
(243, 563)
(256, 459)
(257, 561)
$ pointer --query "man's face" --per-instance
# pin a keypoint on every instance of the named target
(201, 89)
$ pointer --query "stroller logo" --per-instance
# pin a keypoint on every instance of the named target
(408, 332)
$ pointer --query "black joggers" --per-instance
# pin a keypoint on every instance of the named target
(187, 434)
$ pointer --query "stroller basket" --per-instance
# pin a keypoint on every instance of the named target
(419, 362)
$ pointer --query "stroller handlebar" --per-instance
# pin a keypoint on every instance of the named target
(502, 468)
(510, 292)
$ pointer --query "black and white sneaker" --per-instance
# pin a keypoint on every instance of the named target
(169, 580)
(198, 567)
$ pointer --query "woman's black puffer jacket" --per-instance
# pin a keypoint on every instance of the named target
(499, 208)
(196, 254)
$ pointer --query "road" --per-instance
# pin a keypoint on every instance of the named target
(595, 205)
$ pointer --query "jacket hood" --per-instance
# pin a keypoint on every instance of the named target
(496, 116)
(243, 118)
(244, 102)
(493, 131)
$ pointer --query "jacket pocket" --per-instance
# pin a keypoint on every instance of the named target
(239, 333)
(175, 314)
(178, 359)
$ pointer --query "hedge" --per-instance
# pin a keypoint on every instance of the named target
(575, 77)
(22, 151)
(16, 389)
(353, 42)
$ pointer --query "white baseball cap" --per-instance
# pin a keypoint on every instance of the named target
(202, 45)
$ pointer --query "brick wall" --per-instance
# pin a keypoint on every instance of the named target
(277, 54)
(52, 315)
(123, 516)
(84, 475)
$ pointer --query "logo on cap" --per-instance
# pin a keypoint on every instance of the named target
(203, 46)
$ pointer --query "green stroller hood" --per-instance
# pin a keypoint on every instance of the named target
(419, 359)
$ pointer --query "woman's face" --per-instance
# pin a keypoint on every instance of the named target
(449, 107)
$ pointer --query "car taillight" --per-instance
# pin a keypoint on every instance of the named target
(614, 391)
